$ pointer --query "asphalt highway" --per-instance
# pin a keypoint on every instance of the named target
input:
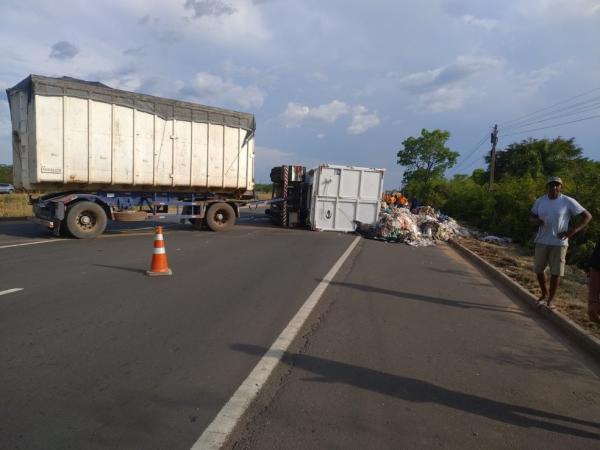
(407, 348)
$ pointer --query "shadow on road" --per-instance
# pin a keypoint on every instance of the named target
(413, 390)
(427, 299)
(128, 269)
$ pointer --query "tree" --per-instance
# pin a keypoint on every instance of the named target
(537, 158)
(6, 173)
(426, 157)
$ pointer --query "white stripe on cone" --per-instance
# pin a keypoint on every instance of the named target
(159, 250)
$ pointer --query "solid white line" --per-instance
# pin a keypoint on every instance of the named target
(33, 243)
(10, 291)
(223, 424)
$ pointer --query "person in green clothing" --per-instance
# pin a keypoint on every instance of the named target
(552, 214)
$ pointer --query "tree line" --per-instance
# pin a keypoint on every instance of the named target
(521, 171)
(6, 173)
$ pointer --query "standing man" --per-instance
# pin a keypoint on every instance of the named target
(552, 213)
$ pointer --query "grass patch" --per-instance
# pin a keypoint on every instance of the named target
(517, 263)
(263, 195)
(15, 205)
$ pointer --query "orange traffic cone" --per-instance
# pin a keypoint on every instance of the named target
(159, 266)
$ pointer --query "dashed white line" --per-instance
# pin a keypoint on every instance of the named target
(10, 291)
(49, 241)
(221, 427)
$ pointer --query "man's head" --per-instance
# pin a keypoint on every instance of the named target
(554, 185)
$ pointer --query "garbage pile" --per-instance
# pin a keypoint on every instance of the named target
(399, 224)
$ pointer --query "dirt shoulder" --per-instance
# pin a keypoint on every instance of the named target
(513, 261)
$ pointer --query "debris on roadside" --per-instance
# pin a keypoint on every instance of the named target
(423, 229)
(496, 240)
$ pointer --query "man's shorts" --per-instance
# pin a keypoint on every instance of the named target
(594, 262)
(550, 255)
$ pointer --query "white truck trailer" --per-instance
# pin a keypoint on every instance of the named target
(103, 154)
(330, 197)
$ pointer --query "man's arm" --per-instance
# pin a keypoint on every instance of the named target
(535, 220)
(587, 217)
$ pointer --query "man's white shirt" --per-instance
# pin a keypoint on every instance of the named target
(556, 214)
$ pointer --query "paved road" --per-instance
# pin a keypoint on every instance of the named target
(97, 355)
(409, 347)
(414, 348)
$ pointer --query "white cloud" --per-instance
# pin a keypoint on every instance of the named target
(321, 136)
(295, 114)
(443, 99)
(203, 8)
(235, 23)
(211, 89)
(462, 69)
(230, 68)
(529, 82)
(559, 9)
(362, 120)
(126, 79)
(317, 76)
(488, 24)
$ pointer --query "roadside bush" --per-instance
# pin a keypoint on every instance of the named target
(521, 171)
(15, 205)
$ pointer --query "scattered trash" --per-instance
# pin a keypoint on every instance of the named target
(496, 240)
(399, 224)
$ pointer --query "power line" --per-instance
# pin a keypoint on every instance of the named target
(587, 105)
(559, 116)
(471, 153)
(470, 165)
(505, 124)
(551, 126)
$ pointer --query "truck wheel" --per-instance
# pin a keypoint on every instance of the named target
(86, 220)
(220, 217)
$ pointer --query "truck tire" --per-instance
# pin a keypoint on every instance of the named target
(220, 217)
(86, 220)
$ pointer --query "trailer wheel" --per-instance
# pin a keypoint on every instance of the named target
(220, 217)
(86, 220)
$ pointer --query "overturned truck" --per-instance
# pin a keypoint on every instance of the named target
(330, 197)
(100, 154)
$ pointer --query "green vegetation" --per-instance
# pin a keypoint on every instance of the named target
(15, 205)
(521, 171)
(6, 173)
(259, 187)
(426, 157)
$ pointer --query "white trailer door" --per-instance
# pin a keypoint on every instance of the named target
(345, 195)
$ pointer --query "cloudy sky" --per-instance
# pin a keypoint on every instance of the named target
(338, 81)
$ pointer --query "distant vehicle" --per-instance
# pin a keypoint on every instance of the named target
(6, 188)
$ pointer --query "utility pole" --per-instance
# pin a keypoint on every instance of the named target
(493, 140)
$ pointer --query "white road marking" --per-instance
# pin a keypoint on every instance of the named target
(10, 291)
(216, 433)
(33, 243)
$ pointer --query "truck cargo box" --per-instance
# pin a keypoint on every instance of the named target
(342, 195)
(71, 134)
